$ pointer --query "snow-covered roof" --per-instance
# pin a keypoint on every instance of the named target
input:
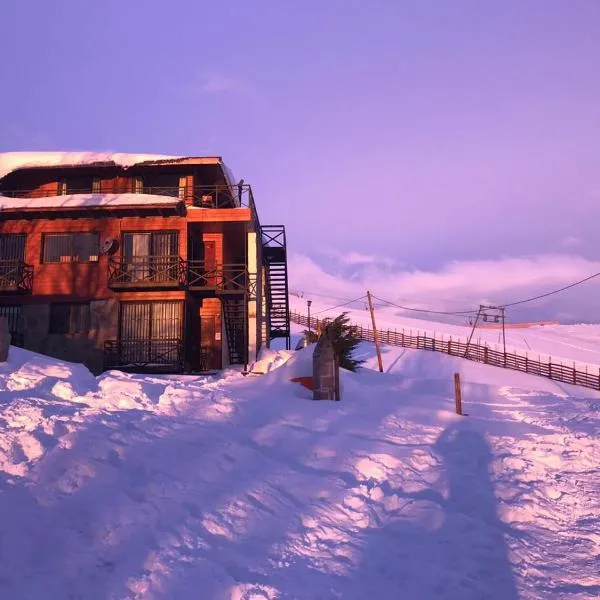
(86, 200)
(13, 161)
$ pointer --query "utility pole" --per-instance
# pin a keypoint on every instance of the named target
(375, 336)
(473, 331)
(503, 331)
(308, 303)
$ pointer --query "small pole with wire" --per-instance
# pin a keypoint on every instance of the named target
(375, 336)
(503, 329)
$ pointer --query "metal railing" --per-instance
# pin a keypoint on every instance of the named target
(16, 275)
(205, 196)
(151, 271)
(143, 353)
(219, 277)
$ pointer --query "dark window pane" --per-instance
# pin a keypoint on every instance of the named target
(85, 247)
(59, 318)
(69, 318)
(12, 246)
(71, 247)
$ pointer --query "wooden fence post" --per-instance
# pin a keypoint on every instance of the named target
(457, 395)
(485, 355)
(574, 374)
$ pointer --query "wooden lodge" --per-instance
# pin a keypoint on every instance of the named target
(149, 264)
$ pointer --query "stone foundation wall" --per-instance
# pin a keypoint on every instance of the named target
(86, 348)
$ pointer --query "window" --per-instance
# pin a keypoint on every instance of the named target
(69, 318)
(12, 313)
(12, 246)
(151, 320)
(150, 243)
(96, 185)
(182, 186)
(62, 187)
(70, 247)
(138, 185)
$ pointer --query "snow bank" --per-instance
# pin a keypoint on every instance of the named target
(242, 487)
(80, 200)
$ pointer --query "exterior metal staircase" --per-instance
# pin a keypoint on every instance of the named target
(275, 259)
(234, 313)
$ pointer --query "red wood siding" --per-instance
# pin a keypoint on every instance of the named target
(83, 280)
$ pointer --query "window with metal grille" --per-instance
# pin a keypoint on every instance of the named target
(12, 313)
(12, 246)
(69, 318)
(70, 247)
(138, 185)
(151, 320)
(96, 185)
(62, 187)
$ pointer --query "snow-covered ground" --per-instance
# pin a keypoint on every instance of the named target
(145, 487)
(577, 345)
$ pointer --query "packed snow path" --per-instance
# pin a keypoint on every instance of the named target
(140, 487)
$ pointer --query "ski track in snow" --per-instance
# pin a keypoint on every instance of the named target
(142, 487)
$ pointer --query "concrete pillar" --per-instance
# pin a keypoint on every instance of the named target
(252, 315)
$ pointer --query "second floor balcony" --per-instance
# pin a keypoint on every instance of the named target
(172, 272)
(161, 272)
(16, 276)
(202, 196)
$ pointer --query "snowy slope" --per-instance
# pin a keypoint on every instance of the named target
(139, 487)
(579, 344)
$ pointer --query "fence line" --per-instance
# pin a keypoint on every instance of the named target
(476, 352)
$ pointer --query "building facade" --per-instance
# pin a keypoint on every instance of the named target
(138, 262)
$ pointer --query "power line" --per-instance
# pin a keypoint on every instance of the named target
(562, 289)
(339, 305)
(308, 293)
(432, 312)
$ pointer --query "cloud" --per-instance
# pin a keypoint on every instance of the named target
(221, 84)
(357, 258)
(463, 285)
(571, 242)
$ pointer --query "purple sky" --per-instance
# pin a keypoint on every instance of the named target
(430, 131)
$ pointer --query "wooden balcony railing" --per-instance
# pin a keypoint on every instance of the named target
(16, 276)
(144, 354)
(206, 275)
(205, 196)
(146, 271)
(173, 272)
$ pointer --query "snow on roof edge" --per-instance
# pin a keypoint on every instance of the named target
(14, 161)
(85, 200)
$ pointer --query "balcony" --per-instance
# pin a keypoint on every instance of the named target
(144, 354)
(16, 276)
(224, 279)
(155, 272)
(203, 196)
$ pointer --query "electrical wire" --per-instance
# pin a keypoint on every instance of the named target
(423, 310)
(339, 305)
(562, 289)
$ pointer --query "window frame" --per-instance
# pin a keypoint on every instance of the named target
(16, 246)
(152, 303)
(62, 187)
(70, 327)
(73, 258)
